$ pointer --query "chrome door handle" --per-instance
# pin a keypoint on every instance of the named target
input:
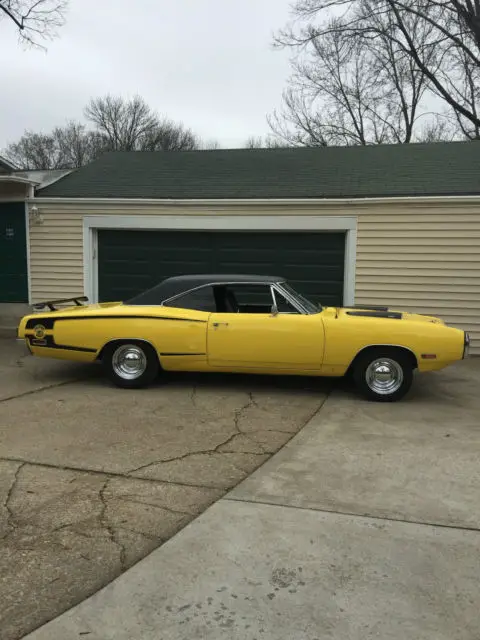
(218, 324)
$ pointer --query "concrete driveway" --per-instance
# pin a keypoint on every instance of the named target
(365, 525)
(93, 478)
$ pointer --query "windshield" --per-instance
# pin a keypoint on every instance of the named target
(307, 304)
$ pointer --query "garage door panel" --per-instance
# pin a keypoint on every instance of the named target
(132, 261)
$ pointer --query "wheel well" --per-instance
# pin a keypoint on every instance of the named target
(385, 348)
(119, 341)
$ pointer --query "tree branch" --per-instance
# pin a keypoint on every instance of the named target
(11, 16)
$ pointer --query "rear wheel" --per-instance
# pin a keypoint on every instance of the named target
(383, 375)
(131, 365)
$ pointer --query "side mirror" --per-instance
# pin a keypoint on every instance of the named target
(274, 310)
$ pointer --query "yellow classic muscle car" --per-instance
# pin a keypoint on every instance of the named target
(243, 323)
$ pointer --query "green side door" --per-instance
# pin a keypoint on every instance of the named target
(13, 253)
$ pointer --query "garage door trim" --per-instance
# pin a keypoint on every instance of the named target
(275, 222)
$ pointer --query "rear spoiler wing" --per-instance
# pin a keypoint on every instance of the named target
(78, 300)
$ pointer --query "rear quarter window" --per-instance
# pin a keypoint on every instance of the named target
(199, 300)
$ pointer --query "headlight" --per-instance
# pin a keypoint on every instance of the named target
(466, 345)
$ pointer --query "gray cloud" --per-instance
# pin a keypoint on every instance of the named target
(208, 63)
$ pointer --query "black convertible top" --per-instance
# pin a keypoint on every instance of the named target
(179, 284)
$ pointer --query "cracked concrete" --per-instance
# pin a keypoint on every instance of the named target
(20, 375)
(8, 478)
(93, 478)
(365, 525)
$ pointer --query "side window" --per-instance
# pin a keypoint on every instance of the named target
(251, 298)
(200, 300)
(283, 305)
(243, 298)
(252, 295)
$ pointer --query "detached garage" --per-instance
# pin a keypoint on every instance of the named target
(397, 225)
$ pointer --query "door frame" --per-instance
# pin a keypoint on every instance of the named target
(198, 222)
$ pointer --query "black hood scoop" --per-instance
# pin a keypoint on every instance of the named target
(371, 311)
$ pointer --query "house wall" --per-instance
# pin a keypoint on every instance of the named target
(12, 191)
(417, 255)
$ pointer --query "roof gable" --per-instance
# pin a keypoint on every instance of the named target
(6, 166)
(326, 172)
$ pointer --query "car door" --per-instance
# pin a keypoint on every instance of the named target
(183, 342)
(251, 336)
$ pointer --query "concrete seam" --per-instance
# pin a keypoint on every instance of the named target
(350, 514)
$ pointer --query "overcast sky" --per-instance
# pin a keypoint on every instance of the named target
(207, 63)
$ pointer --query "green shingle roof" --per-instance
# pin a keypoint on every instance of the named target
(330, 172)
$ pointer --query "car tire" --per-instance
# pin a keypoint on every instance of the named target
(383, 375)
(131, 364)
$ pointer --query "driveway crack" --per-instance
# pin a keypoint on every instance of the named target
(193, 396)
(237, 417)
(175, 458)
(108, 527)
(10, 516)
(138, 500)
(41, 389)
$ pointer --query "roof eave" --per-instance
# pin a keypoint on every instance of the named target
(194, 202)
(17, 179)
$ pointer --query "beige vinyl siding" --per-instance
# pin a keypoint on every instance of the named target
(12, 190)
(56, 255)
(422, 257)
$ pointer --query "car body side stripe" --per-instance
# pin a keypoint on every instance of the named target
(49, 322)
(49, 343)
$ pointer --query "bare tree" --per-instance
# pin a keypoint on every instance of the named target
(34, 151)
(269, 142)
(254, 142)
(124, 123)
(35, 20)
(440, 39)
(131, 125)
(349, 89)
(66, 147)
(169, 136)
(78, 146)
(210, 145)
(119, 125)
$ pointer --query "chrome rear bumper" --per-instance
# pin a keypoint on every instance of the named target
(23, 347)
(466, 345)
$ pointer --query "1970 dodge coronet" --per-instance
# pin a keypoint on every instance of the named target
(251, 324)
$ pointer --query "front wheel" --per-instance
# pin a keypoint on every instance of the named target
(383, 376)
(131, 365)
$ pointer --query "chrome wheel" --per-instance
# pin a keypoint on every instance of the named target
(384, 376)
(129, 362)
